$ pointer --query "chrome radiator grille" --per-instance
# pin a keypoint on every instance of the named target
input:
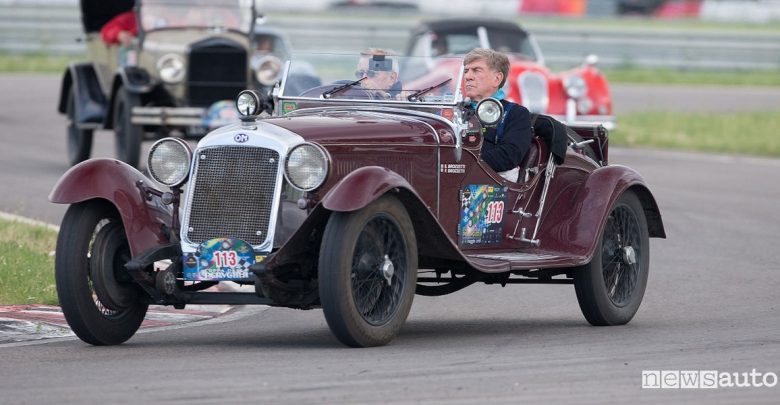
(233, 194)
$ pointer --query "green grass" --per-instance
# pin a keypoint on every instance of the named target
(694, 77)
(35, 63)
(26, 264)
(755, 133)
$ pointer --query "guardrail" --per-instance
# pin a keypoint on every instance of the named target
(56, 29)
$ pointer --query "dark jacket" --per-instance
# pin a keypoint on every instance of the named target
(506, 152)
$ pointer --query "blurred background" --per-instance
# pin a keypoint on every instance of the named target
(677, 34)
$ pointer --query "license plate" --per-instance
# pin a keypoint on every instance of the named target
(219, 259)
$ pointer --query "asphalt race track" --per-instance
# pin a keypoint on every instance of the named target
(711, 305)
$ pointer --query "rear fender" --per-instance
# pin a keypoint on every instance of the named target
(588, 212)
(90, 100)
(144, 218)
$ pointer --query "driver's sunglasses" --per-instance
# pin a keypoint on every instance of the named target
(364, 73)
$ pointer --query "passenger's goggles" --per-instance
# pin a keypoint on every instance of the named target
(365, 73)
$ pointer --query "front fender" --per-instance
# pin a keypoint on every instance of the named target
(89, 99)
(117, 183)
(362, 187)
(586, 215)
(132, 79)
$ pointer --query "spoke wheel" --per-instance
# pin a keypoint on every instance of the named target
(79, 140)
(368, 272)
(99, 304)
(611, 287)
(128, 136)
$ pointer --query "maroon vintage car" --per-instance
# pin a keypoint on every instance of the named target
(353, 201)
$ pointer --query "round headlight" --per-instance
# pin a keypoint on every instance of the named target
(169, 161)
(489, 111)
(268, 70)
(248, 103)
(171, 68)
(306, 167)
(575, 86)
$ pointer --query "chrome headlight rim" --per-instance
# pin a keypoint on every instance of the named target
(269, 70)
(248, 103)
(325, 166)
(490, 111)
(171, 68)
(575, 86)
(181, 174)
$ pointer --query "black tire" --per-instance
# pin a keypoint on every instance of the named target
(128, 136)
(79, 140)
(611, 287)
(360, 250)
(91, 241)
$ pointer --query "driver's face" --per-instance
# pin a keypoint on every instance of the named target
(375, 79)
(479, 80)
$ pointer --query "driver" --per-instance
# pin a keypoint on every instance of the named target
(379, 72)
(484, 75)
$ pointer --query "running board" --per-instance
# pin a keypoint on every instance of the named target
(502, 262)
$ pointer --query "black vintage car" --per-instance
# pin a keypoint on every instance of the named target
(178, 77)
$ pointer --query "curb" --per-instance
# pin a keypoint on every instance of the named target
(23, 323)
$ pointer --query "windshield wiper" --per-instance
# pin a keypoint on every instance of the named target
(414, 96)
(333, 91)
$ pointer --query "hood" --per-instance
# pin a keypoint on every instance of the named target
(350, 127)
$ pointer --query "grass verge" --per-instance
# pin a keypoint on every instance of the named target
(739, 133)
(694, 77)
(27, 264)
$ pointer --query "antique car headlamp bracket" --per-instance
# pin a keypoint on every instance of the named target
(306, 166)
(490, 111)
(169, 161)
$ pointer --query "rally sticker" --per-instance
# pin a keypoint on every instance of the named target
(482, 214)
(219, 259)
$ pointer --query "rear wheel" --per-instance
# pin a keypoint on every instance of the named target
(611, 287)
(79, 140)
(128, 135)
(368, 272)
(99, 301)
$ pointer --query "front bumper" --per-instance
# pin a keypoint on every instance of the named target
(173, 116)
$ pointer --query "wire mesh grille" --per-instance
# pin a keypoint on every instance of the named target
(233, 194)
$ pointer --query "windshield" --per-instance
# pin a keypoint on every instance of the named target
(220, 14)
(373, 78)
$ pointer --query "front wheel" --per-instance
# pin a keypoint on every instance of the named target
(99, 301)
(128, 135)
(368, 272)
(610, 287)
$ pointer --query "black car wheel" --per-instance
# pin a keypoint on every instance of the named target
(610, 288)
(128, 135)
(79, 140)
(99, 301)
(368, 272)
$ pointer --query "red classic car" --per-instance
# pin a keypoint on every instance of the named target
(353, 201)
(573, 96)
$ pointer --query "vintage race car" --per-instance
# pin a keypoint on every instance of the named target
(179, 76)
(578, 95)
(351, 201)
